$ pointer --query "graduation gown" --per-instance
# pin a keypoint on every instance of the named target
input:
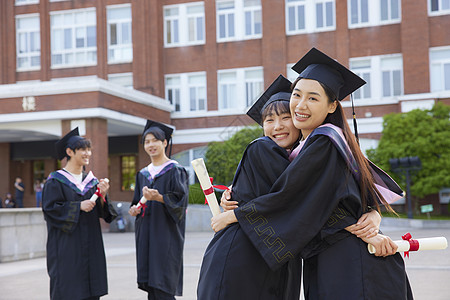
(76, 260)
(160, 228)
(301, 215)
(232, 268)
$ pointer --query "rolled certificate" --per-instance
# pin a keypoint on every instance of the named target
(203, 177)
(141, 202)
(433, 243)
(97, 193)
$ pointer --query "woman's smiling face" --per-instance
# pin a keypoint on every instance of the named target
(309, 105)
(281, 129)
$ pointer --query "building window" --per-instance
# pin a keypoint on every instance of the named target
(128, 172)
(187, 92)
(390, 10)
(391, 73)
(239, 88)
(238, 19)
(122, 79)
(173, 87)
(73, 38)
(197, 92)
(254, 84)
(38, 170)
(383, 74)
(439, 6)
(381, 12)
(440, 69)
(184, 24)
(309, 16)
(26, 2)
(253, 22)
(362, 69)
(120, 47)
(28, 42)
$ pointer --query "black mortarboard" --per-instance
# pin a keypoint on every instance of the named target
(151, 124)
(65, 142)
(319, 66)
(279, 90)
(165, 129)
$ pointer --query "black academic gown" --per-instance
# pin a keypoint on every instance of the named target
(306, 212)
(232, 268)
(160, 229)
(76, 260)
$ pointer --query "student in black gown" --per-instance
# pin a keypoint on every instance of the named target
(76, 260)
(329, 174)
(161, 222)
(232, 268)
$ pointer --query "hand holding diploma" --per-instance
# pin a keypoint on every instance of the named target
(203, 177)
(409, 244)
(102, 189)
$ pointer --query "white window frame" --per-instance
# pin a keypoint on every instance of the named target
(190, 155)
(122, 79)
(375, 67)
(373, 14)
(440, 10)
(182, 22)
(28, 32)
(74, 51)
(184, 88)
(240, 84)
(439, 61)
(176, 107)
(310, 10)
(25, 2)
(390, 19)
(391, 65)
(125, 48)
(239, 12)
(255, 13)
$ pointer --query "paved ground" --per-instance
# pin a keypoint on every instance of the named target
(429, 271)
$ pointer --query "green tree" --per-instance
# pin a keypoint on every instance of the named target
(422, 133)
(222, 158)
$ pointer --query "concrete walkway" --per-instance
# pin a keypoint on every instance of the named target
(429, 271)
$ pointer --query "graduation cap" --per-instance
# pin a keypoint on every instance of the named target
(151, 125)
(319, 66)
(65, 142)
(279, 90)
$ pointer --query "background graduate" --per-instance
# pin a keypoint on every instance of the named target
(232, 268)
(329, 174)
(161, 223)
(75, 254)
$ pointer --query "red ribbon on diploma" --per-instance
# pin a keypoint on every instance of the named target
(211, 189)
(97, 192)
(413, 244)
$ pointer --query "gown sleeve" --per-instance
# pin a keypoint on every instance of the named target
(137, 191)
(177, 195)
(58, 211)
(300, 203)
(106, 210)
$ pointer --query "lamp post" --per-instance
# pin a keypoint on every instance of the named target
(404, 166)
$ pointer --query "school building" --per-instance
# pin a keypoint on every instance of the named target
(108, 65)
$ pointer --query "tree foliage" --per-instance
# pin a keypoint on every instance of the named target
(222, 158)
(422, 133)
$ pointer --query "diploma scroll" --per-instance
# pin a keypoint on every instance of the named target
(433, 243)
(97, 193)
(203, 177)
(141, 202)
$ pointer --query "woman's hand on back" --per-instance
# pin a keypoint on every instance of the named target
(367, 226)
